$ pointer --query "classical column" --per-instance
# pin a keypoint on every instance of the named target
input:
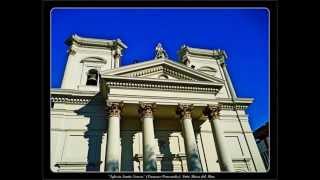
(149, 156)
(225, 161)
(184, 111)
(113, 143)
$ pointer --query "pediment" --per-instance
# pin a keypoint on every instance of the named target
(161, 69)
(161, 72)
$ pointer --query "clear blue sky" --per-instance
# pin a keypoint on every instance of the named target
(242, 33)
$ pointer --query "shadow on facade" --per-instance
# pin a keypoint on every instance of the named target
(194, 162)
(112, 166)
(127, 151)
(164, 147)
(95, 131)
(151, 161)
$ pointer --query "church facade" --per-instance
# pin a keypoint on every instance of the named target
(154, 116)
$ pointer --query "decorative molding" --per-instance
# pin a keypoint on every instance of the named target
(71, 99)
(212, 111)
(114, 108)
(146, 110)
(72, 92)
(232, 106)
(226, 104)
(162, 86)
(184, 111)
(215, 53)
(89, 42)
(69, 96)
(82, 98)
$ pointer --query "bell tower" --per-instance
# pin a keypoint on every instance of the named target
(87, 57)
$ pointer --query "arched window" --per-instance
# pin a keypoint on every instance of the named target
(92, 78)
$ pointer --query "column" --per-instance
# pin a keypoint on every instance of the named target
(113, 143)
(225, 161)
(193, 158)
(149, 156)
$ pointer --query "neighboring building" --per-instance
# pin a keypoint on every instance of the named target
(263, 142)
(157, 115)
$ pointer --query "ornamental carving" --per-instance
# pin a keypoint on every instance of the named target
(114, 109)
(67, 99)
(212, 111)
(184, 111)
(146, 110)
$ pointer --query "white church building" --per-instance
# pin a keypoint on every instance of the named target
(158, 115)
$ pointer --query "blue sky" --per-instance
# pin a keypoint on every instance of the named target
(242, 33)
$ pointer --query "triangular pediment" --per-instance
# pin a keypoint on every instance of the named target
(161, 69)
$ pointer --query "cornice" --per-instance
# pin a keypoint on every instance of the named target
(163, 81)
(236, 104)
(68, 96)
(185, 88)
(214, 53)
(85, 41)
(72, 92)
(71, 100)
(177, 99)
(84, 97)
(236, 100)
(230, 107)
(163, 84)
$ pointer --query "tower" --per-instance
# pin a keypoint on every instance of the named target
(87, 57)
(210, 62)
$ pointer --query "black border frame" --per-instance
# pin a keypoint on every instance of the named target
(45, 80)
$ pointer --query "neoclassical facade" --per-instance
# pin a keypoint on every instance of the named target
(154, 116)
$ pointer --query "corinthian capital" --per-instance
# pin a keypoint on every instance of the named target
(212, 111)
(184, 110)
(114, 108)
(146, 110)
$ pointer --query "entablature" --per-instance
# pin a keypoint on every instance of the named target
(162, 84)
(69, 96)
